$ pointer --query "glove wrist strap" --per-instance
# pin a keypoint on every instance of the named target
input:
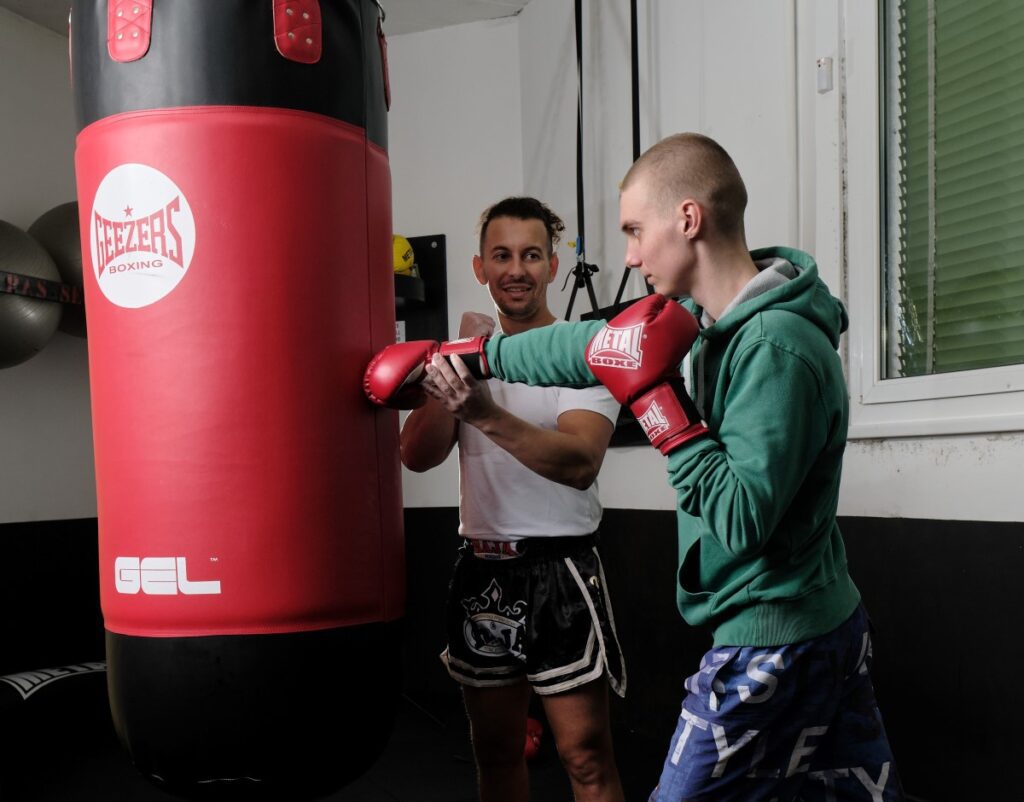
(668, 415)
(471, 351)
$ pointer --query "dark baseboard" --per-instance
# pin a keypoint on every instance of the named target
(49, 594)
(945, 597)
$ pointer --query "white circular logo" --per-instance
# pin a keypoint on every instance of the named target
(142, 234)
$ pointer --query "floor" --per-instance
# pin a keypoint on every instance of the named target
(428, 759)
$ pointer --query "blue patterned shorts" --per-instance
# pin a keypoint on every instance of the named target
(797, 722)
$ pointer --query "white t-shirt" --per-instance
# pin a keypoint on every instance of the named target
(502, 499)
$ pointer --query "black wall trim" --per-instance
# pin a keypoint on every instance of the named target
(947, 602)
(49, 595)
(946, 599)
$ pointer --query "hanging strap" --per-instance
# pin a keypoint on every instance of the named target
(383, 44)
(634, 63)
(582, 270)
(580, 215)
(298, 31)
(41, 288)
(129, 26)
(634, 70)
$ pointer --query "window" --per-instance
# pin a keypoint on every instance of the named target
(954, 165)
(934, 235)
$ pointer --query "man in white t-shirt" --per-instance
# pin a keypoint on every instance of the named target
(528, 608)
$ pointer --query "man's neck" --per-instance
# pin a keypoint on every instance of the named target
(517, 326)
(721, 277)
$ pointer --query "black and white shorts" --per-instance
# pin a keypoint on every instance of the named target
(544, 615)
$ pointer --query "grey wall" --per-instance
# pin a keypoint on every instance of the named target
(46, 469)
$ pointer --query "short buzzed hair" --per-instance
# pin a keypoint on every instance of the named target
(524, 208)
(694, 165)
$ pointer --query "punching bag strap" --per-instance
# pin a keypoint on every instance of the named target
(129, 23)
(298, 30)
(41, 288)
(383, 43)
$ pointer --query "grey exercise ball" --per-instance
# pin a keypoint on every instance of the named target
(26, 324)
(57, 230)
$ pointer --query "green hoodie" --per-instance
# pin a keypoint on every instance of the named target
(761, 558)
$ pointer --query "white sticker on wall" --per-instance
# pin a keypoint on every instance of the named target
(142, 235)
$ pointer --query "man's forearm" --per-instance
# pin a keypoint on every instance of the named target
(427, 437)
(551, 356)
(566, 458)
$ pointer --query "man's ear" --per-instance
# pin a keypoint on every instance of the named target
(554, 266)
(691, 218)
(478, 270)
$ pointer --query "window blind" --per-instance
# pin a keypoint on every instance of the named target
(954, 114)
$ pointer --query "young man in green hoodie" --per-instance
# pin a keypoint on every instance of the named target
(782, 707)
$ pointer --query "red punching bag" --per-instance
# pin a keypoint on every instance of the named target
(234, 193)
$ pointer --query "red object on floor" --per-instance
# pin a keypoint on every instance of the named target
(534, 730)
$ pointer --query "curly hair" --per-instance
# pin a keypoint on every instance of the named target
(523, 208)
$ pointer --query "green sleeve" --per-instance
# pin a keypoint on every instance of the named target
(551, 356)
(774, 426)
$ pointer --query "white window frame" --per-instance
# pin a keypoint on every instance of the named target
(965, 402)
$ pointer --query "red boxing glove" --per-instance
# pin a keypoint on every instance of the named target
(641, 346)
(668, 415)
(636, 356)
(392, 379)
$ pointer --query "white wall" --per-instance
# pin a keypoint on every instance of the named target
(484, 110)
(455, 146)
(696, 86)
(46, 466)
(689, 85)
(744, 72)
(949, 477)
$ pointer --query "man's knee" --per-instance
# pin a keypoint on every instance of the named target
(587, 764)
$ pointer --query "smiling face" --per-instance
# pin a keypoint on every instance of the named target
(656, 240)
(516, 264)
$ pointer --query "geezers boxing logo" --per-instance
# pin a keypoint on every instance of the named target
(142, 235)
(617, 348)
